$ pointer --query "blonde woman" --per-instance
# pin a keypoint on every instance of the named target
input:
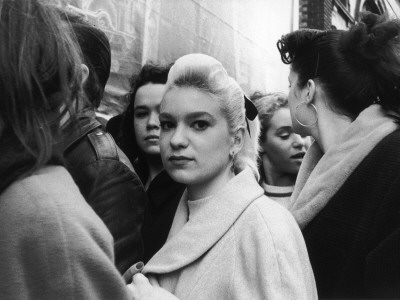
(227, 240)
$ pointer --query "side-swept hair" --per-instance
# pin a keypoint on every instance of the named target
(208, 75)
(39, 79)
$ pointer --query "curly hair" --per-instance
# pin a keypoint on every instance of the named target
(356, 68)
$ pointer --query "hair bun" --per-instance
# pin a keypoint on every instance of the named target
(371, 38)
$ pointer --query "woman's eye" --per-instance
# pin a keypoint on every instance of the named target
(284, 136)
(140, 114)
(165, 125)
(200, 125)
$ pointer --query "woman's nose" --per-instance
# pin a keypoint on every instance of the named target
(178, 138)
(298, 141)
(153, 122)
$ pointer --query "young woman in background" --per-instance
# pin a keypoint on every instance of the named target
(281, 149)
(140, 139)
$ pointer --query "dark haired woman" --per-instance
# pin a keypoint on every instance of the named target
(140, 141)
(52, 244)
(281, 149)
(344, 91)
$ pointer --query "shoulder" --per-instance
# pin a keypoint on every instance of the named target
(266, 218)
(382, 164)
(48, 199)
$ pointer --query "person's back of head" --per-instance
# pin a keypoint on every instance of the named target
(40, 78)
(356, 68)
(96, 55)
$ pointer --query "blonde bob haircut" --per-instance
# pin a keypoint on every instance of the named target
(207, 74)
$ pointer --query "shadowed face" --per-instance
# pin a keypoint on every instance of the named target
(145, 118)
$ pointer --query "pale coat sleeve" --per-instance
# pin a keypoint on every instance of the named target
(271, 260)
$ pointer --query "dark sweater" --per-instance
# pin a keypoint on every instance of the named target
(354, 242)
(163, 196)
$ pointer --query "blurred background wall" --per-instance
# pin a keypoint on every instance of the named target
(242, 34)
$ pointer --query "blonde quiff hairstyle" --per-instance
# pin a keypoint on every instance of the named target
(207, 74)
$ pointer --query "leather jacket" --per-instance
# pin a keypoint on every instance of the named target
(109, 184)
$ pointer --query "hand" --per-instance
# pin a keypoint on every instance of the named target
(136, 268)
(141, 289)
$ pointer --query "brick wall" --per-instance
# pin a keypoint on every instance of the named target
(316, 14)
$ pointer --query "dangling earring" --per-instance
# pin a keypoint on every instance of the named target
(232, 157)
(304, 114)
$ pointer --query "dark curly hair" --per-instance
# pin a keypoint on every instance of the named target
(357, 67)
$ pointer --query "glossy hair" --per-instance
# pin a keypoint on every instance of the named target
(150, 73)
(96, 55)
(356, 68)
(267, 105)
(206, 74)
(39, 79)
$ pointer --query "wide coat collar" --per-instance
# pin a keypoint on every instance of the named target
(321, 175)
(207, 226)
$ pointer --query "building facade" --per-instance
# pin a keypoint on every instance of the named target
(341, 14)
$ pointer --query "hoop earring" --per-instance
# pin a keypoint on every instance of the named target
(232, 157)
(305, 114)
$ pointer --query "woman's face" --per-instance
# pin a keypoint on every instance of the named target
(145, 118)
(283, 148)
(195, 139)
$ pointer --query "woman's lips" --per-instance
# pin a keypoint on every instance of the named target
(179, 159)
(298, 155)
(151, 137)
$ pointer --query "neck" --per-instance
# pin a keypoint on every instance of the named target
(205, 189)
(330, 129)
(274, 177)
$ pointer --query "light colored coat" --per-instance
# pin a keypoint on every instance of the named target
(52, 244)
(237, 244)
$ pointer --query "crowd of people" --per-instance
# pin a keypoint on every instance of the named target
(197, 191)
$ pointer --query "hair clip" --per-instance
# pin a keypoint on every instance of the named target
(251, 111)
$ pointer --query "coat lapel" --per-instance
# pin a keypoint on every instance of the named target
(207, 225)
(321, 175)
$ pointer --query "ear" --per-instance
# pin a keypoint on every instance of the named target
(238, 140)
(310, 91)
(85, 73)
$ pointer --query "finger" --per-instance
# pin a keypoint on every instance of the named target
(139, 280)
(136, 268)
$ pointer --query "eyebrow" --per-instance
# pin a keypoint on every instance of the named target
(141, 107)
(284, 128)
(194, 115)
